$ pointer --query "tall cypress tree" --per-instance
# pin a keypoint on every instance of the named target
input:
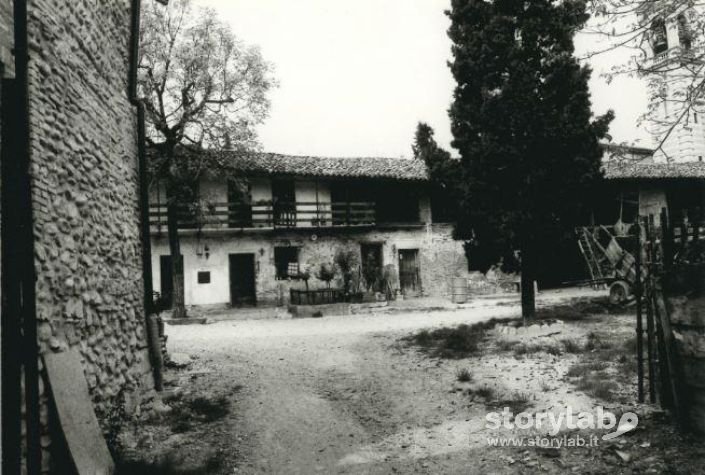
(522, 122)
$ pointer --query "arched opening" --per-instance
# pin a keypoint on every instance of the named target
(685, 36)
(658, 37)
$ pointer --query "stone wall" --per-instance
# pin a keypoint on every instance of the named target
(440, 258)
(6, 38)
(85, 194)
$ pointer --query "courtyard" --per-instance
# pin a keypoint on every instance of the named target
(370, 394)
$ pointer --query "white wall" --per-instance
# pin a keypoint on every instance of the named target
(439, 257)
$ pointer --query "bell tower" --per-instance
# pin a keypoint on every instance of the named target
(673, 117)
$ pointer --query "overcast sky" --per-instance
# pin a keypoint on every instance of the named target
(356, 76)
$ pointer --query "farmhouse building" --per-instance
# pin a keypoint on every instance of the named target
(252, 238)
(636, 185)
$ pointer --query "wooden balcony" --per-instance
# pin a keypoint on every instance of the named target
(267, 215)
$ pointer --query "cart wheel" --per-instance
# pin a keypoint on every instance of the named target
(619, 292)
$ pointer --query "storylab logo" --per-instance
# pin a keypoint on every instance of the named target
(555, 421)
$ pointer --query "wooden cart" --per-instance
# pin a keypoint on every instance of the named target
(609, 255)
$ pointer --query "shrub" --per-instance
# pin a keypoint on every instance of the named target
(326, 273)
(517, 402)
(463, 375)
(347, 261)
(486, 392)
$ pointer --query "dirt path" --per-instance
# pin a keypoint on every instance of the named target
(337, 395)
(346, 395)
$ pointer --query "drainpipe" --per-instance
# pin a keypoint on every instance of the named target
(19, 312)
(151, 322)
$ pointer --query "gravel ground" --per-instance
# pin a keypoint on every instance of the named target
(348, 395)
(337, 394)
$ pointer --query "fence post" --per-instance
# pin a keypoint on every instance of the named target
(639, 323)
(651, 270)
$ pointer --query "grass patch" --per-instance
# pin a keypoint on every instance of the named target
(582, 369)
(168, 466)
(452, 342)
(578, 309)
(188, 413)
(517, 402)
(485, 392)
(210, 410)
(523, 349)
(597, 386)
(505, 345)
(463, 375)
(544, 386)
(596, 341)
(572, 346)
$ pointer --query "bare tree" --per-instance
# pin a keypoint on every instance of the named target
(202, 88)
(665, 41)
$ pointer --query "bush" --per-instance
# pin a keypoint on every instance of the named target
(463, 375)
(347, 261)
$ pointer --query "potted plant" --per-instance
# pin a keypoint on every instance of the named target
(326, 273)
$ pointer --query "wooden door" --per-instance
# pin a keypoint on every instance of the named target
(166, 288)
(242, 279)
(409, 281)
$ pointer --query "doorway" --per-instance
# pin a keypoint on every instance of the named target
(242, 280)
(166, 289)
(409, 280)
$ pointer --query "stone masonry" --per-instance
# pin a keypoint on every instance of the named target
(6, 38)
(85, 192)
(84, 166)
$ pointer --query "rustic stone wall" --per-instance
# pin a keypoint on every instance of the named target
(440, 258)
(85, 194)
(6, 38)
(687, 315)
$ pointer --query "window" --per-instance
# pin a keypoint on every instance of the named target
(204, 277)
(286, 261)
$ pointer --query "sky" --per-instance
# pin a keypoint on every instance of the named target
(355, 77)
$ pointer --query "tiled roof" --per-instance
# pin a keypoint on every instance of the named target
(368, 167)
(654, 171)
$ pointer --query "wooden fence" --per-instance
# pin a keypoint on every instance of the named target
(316, 297)
(670, 311)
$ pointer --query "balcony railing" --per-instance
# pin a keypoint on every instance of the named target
(267, 215)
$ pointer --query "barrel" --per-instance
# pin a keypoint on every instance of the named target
(459, 290)
(687, 316)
